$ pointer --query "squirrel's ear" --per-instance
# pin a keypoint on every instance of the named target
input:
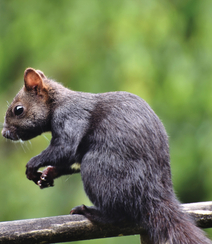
(41, 74)
(33, 79)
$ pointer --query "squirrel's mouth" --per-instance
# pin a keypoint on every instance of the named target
(16, 133)
(9, 134)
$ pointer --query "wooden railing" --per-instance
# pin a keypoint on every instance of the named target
(76, 227)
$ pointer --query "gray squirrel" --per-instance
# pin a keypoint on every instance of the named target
(120, 147)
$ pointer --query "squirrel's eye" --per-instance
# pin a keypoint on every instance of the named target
(18, 110)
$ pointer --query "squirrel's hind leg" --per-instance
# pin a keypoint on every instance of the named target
(91, 213)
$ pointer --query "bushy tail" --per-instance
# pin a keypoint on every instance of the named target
(173, 226)
(186, 232)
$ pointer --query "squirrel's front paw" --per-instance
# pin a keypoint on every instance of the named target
(44, 184)
(33, 174)
(47, 177)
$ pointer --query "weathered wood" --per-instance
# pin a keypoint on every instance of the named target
(76, 227)
(58, 229)
(201, 212)
(198, 206)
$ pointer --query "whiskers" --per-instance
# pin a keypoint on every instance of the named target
(23, 145)
(1, 125)
(67, 178)
(26, 145)
(46, 137)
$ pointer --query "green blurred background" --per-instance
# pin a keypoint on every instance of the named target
(159, 50)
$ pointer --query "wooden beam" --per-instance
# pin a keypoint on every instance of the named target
(76, 227)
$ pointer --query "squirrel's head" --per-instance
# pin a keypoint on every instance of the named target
(29, 113)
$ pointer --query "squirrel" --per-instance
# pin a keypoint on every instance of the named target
(117, 143)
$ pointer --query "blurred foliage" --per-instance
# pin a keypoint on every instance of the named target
(159, 50)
